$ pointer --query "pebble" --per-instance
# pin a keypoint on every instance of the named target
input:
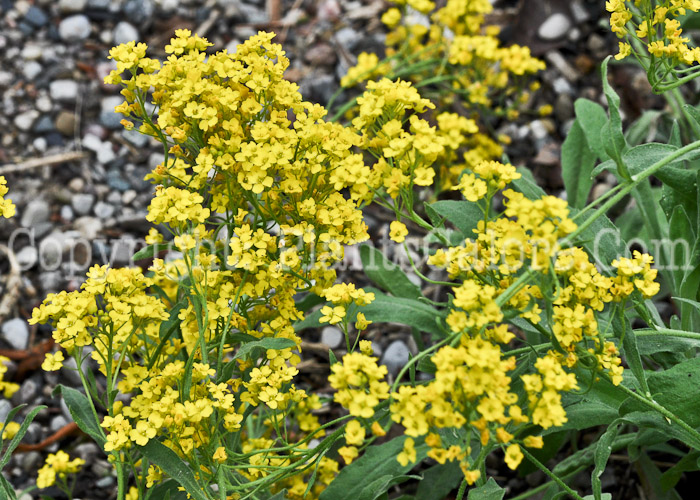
(24, 121)
(332, 336)
(76, 184)
(396, 356)
(31, 70)
(74, 28)
(115, 180)
(27, 257)
(32, 52)
(108, 117)
(43, 103)
(88, 227)
(6, 78)
(105, 482)
(36, 17)
(554, 27)
(57, 423)
(63, 90)
(42, 126)
(31, 461)
(104, 210)
(65, 123)
(82, 203)
(136, 138)
(128, 196)
(138, 11)
(66, 213)
(35, 212)
(27, 392)
(87, 451)
(103, 150)
(70, 6)
(321, 55)
(50, 281)
(5, 408)
(124, 33)
(16, 333)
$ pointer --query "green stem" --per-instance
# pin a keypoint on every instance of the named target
(546, 485)
(551, 474)
(646, 332)
(462, 489)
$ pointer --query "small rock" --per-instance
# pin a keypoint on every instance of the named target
(63, 90)
(34, 433)
(31, 462)
(66, 213)
(32, 51)
(128, 196)
(74, 28)
(82, 203)
(104, 210)
(348, 37)
(135, 137)
(36, 17)
(321, 55)
(76, 184)
(35, 212)
(44, 125)
(43, 103)
(105, 482)
(31, 70)
(65, 123)
(396, 356)
(138, 11)
(596, 44)
(70, 6)
(6, 78)
(124, 33)
(88, 227)
(115, 180)
(51, 281)
(27, 257)
(563, 107)
(554, 27)
(24, 121)
(5, 408)
(539, 131)
(108, 117)
(57, 422)
(16, 333)
(332, 336)
(27, 392)
(87, 451)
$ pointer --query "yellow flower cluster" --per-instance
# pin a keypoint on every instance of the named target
(57, 464)
(462, 58)
(7, 208)
(7, 388)
(656, 24)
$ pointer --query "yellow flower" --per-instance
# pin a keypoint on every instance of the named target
(533, 442)
(53, 362)
(408, 455)
(625, 50)
(513, 456)
(354, 433)
(398, 231)
(220, 455)
(349, 453)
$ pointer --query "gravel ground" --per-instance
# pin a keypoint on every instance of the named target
(77, 177)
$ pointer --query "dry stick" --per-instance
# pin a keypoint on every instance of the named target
(46, 161)
(65, 431)
(274, 10)
(12, 285)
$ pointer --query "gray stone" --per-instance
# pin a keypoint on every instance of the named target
(43, 126)
(124, 33)
(24, 121)
(31, 461)
(66, 213)
(43, 103)
(70, 6)
(101, 4)
(51, 280)
(76, 184)
(63, 90)
(115, 180)
(348, 37)
(332, 336)
(5, 408)
(138, 11)
(114, 198)
(16, 333)
(40, 144)
(57, 423)
(396, 356)
(105, 482)
(82, 203)
(70, 371)
(31, 70)
(32, 51)
(6, 78)
(128, 196)
(27, 392)
(554, 27)
(136, 138)
(36, 17)
(87, 451)
(88, 227)
(35, 212)
(74, 28)
(27, 257)
(104, 210)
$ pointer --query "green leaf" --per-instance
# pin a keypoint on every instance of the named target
(488, 491)
(611, 134)
(688, 463)
(438, 481)
(622, 327)
(465, 215)
(662, 342)
(20, 434)
(265, 343)
(166, 489)
(682, 239)
(585, 414)
(678, 389)
(643, 128)
(386, 274)
(82, 412)
(591, 118)
(7, 489)
(577, 162)
(602, 454)
(173, 466)
(386, 309)
(527, 185)
(151, 251)
(378, 467)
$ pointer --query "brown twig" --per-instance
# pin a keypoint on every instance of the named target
(46, 161)
(274, 10)
(65, 431)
